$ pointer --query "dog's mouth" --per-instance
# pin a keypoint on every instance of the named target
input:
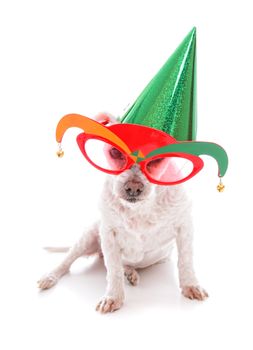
(132, 199)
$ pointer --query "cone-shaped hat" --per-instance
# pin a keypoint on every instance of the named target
(168, 102)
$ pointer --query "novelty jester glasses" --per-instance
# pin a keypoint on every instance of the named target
(165, 169)
(116, 148)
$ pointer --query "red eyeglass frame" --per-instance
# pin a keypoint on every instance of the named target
(196, 161)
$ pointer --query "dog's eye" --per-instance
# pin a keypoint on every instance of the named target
(155, 162)
(116, 154)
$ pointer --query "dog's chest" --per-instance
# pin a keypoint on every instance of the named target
(144, 233)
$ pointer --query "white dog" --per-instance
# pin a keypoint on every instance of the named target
(139, 223)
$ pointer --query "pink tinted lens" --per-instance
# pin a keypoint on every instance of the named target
(105, 155)
(169, 169)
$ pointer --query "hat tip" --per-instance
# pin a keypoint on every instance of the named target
(193, 31)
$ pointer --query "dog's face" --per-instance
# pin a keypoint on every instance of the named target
(132, 186)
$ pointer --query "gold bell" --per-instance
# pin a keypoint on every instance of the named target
(60, 152)
(220, 187)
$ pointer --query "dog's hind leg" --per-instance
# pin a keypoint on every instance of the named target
(131, 275)
(88, 244)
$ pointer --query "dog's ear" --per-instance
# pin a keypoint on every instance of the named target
(106, 118)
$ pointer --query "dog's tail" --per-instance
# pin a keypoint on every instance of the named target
(57, 249)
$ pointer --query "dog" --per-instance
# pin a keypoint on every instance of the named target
(140, 222)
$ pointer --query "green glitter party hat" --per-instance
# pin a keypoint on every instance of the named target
(168, 102)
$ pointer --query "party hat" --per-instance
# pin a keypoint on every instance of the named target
(160, 125)
(168, 103)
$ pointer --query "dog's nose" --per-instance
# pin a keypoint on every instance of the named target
(134, 188)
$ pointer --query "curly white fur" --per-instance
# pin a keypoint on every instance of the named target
(136, 235)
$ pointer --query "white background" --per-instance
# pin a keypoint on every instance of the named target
(59, 57)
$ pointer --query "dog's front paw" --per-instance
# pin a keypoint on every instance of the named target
(109, 304)
(194, 292)
(47, 281)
